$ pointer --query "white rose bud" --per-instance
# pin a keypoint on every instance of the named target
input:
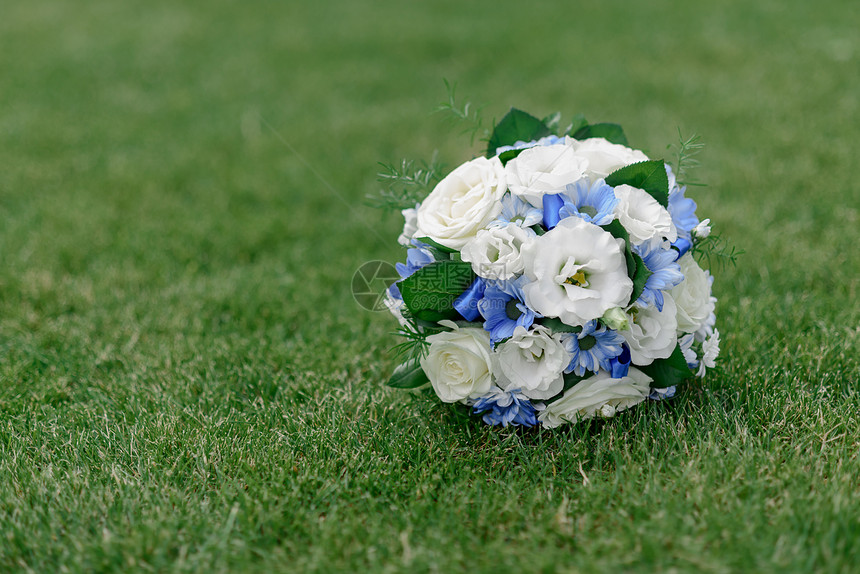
(616, 319)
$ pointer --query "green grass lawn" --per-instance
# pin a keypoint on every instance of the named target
(186, 384)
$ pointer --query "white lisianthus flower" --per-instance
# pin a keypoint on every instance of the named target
(410, 226)
(458, 363)
(543, 170)
(495, 252)
(693, 296)
(605, 157)
(600, 395)
(577, 272)
(642, 216)
(652, 333)
(711, 350)
(532, 362)
(465, 201)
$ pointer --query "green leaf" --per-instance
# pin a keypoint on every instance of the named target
(648, 175)
(640, 277)
(577, 123)
(409, 375)
(668, 372)
(611, 132)
(430, 292)
(516, 126)
(557, 326)
(435, 245)
(507, 156)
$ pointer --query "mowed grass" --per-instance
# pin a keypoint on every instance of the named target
(186, 384)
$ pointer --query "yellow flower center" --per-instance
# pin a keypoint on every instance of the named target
(578, 279)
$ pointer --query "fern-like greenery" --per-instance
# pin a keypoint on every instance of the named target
(685, 158)
(406, 184)
(467, 114)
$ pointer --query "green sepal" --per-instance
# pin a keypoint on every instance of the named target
(557, 326)
(538, 229)
(668, 372)
(640, 277)
(610, 132)
(408, 375)
(430, 292)
(516, 126)
(648, 175)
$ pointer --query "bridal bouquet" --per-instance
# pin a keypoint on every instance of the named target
(555, 279)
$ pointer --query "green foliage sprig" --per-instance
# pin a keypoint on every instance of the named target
(467, 114)
(716, 250)
(406, 184)
(685, 158)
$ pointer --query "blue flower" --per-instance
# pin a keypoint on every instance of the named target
(593, 202)
(665, 272)
(683, 211)
(662, 394)
(519, 144)
(515, 210)
(506, 407)
(592, 348)
(619, 367)
(504, 309)
(416, 258)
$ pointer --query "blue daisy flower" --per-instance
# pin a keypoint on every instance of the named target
(515, 210)
(665, 272)
(504, 309)
(506, 407)
(592, 348)
(519, 144)
(593, 202)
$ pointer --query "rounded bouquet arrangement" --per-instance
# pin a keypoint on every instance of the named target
(554, 279)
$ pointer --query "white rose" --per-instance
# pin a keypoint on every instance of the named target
(605, 157)
(577, 272)
(642, 216)
(652, 333)
(693, 296)
(600, 395)
(458, 363)
(495, 252)
(532, 362)
(543, 170)
(466, 200)
(410, 226)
